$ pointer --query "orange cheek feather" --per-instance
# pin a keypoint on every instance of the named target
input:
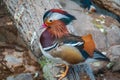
(58, 28)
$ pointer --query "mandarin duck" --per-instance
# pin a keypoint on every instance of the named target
(60, 45)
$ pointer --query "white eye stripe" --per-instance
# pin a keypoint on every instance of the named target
(56, 16)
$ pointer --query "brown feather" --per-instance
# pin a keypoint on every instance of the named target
(57, 28)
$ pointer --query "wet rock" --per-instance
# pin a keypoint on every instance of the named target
(23, 76)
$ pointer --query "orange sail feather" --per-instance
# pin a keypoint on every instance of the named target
(89, 45)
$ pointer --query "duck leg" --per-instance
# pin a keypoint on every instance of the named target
(63, 73)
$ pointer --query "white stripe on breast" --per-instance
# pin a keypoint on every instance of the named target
(74, 44)
(51, 47)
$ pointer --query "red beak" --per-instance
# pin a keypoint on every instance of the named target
(43, 26)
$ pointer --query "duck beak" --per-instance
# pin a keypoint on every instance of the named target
(43, 26)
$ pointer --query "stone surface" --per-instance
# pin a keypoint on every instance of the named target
(114, 55)
(17, 63)
(115, 50)
(116, 66)
(9, 37)
(113, 35)
(111, 5)
(98, 65)
(23, 76)
(13, 61)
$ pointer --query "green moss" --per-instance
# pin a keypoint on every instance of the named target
(46, 65)
(42, 61)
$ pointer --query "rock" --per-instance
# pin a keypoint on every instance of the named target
(97, 65)
(17, 62)
(12, 59)
(9, 34)
(100, 39)
(115, 57)
(111, 5)
(6, 45)
(115, 50)
(18, 48)
(23, 76)
(113, 35)
(11, 38)
(1, 49)
(67, 5)
(116, 66)
(2, 36)
(12, 62)
(114, 53)
(20, 41)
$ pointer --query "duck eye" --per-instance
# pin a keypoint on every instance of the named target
(50, 20)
